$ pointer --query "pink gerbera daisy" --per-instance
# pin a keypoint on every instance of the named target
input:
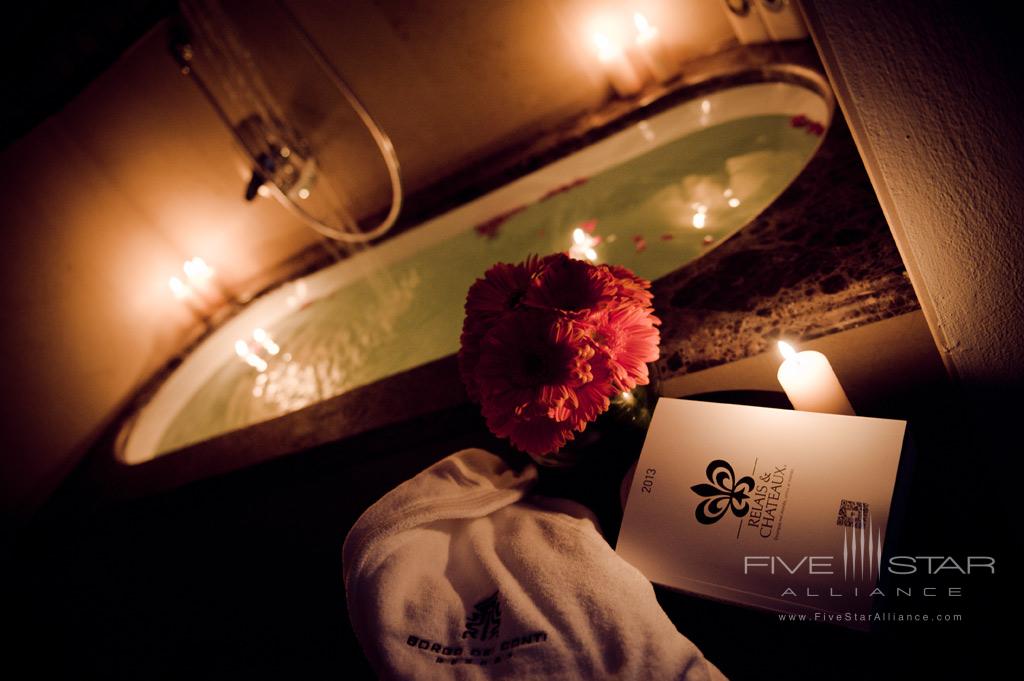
(629, 336)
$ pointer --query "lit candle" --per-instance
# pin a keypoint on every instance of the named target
(264, 339)
(197, 271)
(178, 288)
(185, 294)
(583, 246)
(810, 383)
(651, 50)
(200, 278)
(624, 78)
(249, 357)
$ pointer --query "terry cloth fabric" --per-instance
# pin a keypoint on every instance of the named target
(458, 574)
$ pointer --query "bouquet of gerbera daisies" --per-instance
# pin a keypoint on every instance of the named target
(547, 343)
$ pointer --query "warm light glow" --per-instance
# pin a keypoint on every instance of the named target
(582, 247)
(699, 219)
(249, 357)
(606, 49)
(263, 191)
(256, 363)
(178, 288)
(644, 29)
(264, 339)
(705, 106)
(734, 202)
(303, 193)
(197, 270)
(300, 295)
(787, 350)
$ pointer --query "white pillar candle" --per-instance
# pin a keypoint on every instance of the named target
(651, 50)
(810, 383)
(623, 77)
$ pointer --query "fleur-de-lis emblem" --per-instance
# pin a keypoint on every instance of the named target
(725, 494)
(485, 622)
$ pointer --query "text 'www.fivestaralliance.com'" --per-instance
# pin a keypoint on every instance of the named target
(870, 617)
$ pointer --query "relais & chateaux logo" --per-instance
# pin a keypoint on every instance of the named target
(757, 503)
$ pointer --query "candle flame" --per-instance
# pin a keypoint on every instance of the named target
(178, 288)
(606, 49)
(264, 339)
(643, 27)
(196, 269)
(582, 247)
(241, 348)
(787, 350)
(256, 363)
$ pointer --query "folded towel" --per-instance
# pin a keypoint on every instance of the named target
(457, 574)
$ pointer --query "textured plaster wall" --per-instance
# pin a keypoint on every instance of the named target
(934, 102)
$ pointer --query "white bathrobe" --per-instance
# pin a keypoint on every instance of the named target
(459, 574)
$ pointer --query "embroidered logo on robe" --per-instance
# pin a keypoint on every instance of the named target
(485, 620)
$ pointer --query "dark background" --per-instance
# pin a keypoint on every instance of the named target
(240, 576)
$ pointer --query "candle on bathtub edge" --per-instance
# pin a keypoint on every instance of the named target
(810, 383)
(186, 295)
(651, 50)
(200, 277)
(623, 77)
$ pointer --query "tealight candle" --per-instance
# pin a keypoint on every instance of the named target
(651, 50)
(810, 383)
(623, 77)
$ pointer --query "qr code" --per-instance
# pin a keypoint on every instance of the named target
(852, 514)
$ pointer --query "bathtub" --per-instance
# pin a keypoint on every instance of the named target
(653, 196)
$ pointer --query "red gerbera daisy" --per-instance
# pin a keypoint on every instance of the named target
(630, 286)
(497, 293)
(502, 288)
(570, 286)
(531, 368)
(547, 343)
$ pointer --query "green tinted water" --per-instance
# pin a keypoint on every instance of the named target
(410, 312)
